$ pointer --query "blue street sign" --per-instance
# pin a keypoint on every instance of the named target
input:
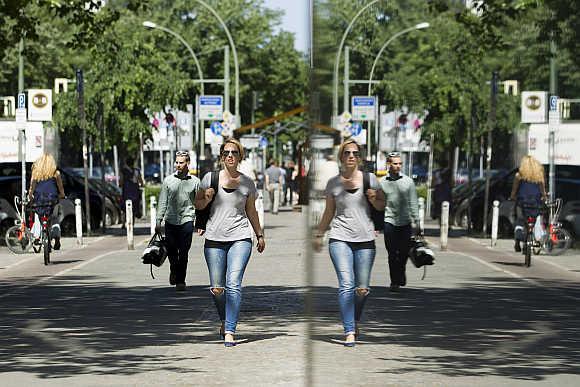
(206, 100)
(21, 101)
(263, 142)
(363, 101)
(216, 128)
(553, 103)
(356, 128)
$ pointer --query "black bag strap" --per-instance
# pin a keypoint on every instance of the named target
(215, 179)
(366, 182)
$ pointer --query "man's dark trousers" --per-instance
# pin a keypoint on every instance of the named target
(178, 239)
(397, 242)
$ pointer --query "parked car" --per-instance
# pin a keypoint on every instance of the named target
(152, 173)
(464, 200)
(74, 186)
(109, 173)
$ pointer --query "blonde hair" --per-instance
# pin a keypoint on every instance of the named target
(237, 144)
(345, 144)
(531, 170)
(44, 168)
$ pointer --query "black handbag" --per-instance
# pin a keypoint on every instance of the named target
(420, 254)
(156, 252)
(202, 215)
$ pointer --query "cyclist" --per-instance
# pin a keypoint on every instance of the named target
(45, 190)
(529, 191)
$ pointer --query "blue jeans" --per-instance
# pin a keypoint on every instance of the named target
(353, 262)
(226, 262)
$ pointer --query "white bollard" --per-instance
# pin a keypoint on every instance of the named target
(444, 224)
(153, 213)
(494, 223)
(79, 221)
(129, 220)
(260, 207)
(422, 214)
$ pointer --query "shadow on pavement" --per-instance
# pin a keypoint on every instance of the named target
(510, 329)
(68, 326)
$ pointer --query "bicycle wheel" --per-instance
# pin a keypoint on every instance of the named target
(18, 241)
(560, 241)
(46, 247)
(528, 249)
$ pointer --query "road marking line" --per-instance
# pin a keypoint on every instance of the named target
(517, 255)
(497, 268)
(518, 276)
(60, 273)
(20, 262)
(555, 265)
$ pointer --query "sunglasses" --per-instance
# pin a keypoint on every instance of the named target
(348, 153)
(182, 153)
(394, 154)
(227, 153)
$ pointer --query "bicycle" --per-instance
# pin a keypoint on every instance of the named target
(20, 238)
(556, 239)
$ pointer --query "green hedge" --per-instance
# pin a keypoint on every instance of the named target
(422, 191)
(152, 190)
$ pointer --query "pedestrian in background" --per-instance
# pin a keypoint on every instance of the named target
(529, 191)
(273, 185)
(131, 184)
(442, 190)
(45, 190)
(228, 237)
(352, 235)
(176, 208)
(401, 219)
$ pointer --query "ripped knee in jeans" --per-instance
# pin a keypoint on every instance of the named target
(362, 292)
(218, 291)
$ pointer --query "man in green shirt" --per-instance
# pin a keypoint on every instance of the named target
(401, 216)
(176, 208)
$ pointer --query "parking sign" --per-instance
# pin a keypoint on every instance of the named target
(21, 101)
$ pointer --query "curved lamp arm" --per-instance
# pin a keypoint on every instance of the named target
(417, 27)
(150, 24)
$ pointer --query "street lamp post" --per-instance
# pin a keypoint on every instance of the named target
(370, 82)
(235, 55)
(150, 24)
(337, 60)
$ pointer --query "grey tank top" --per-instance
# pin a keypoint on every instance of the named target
(227, 220)
(352, 220)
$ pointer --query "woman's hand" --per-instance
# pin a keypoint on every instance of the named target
(261, 245)
(209, 194)
(371, 194)
(317, 243)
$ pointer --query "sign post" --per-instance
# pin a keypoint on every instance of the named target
(21, 126)
(553, 123)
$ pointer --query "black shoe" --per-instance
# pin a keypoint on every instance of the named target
(517, 247)
(394, 288)
(180, 287)
(172, 280)
(56, 244)
(403, 279)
